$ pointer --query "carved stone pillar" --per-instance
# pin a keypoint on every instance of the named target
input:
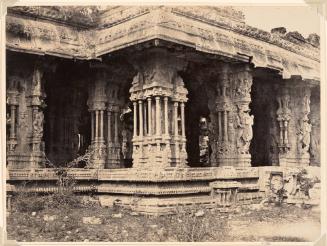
(97, 106)
(149, 116)
(284, 115)
(315, 122)
(157, 81)
(113, 111)
(13, 105)
(294, 125)
(304, 127)
(37, 105)
(234, 123)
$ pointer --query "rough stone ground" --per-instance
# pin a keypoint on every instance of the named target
(246, 223)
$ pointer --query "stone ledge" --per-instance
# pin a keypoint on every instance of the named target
(130, 174)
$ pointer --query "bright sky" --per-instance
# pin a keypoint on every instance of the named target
(294, 18)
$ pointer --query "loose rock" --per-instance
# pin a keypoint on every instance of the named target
(49, 217)
(117, 216)
(199, 213)
(92, 220)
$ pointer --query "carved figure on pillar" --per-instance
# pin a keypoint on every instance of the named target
(244, 133)
(304, 132)
(38, 124)
(37, 104)
(234, 124)
(283, 118)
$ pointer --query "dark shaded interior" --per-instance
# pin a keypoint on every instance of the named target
(196, 108)
(262, 104)
(67, 120)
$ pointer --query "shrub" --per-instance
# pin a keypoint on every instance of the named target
(192, 228)
(28, 202)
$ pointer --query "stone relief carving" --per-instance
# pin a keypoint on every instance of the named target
(244, 130)
(283, 118)
(38, 124)
(305, 128)
(304, 135)
(315, 140)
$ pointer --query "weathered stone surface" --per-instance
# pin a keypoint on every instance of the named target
(172, 25)
(314, 39)
(279, 30)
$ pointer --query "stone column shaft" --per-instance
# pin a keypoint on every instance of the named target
(281, 132)
(166, 115)
(175, 119)
(13, 122)
(134, 119)
(158, 120)
(92, 126)
(145, 122)
(96, 125)
(225, 126)
(101, 126)
(116, 127)
(183, 119)
(109, 127)
(219, 126)
(285, 132)
(149, 117)
(140, 118)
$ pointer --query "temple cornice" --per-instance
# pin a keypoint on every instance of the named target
(225, 35)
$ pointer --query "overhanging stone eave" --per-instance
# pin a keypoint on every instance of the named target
(91, 44)
(48, 53)
(162, 37)
(286, 63)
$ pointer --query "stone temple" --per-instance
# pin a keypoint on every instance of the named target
(158, 106)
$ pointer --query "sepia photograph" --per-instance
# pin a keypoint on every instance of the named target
(162, 123)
